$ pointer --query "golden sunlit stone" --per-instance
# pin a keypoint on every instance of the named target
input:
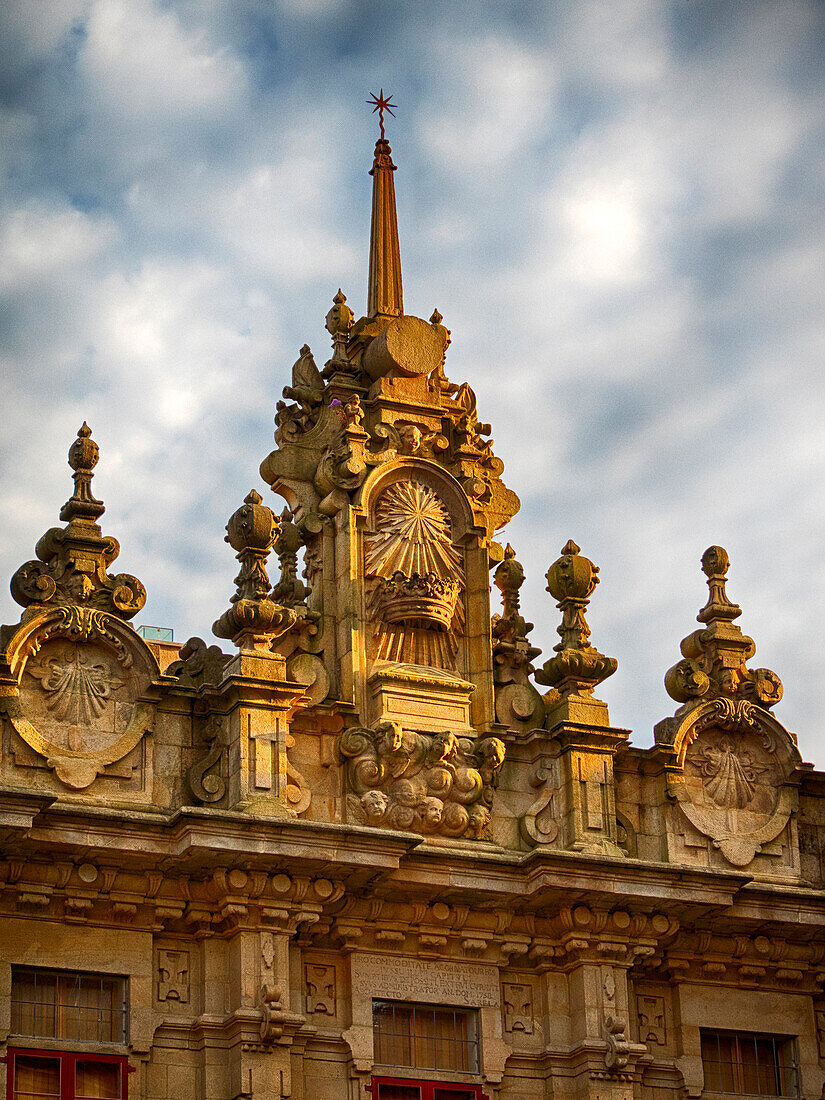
(238, 871)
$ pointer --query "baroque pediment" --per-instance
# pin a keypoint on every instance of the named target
(735, 781)
(76, 694)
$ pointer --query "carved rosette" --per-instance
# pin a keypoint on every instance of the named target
(430, 783)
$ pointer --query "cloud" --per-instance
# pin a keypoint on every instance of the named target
(38, 242)
(617, 210)
(140, 60)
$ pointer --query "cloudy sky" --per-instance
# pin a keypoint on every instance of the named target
(615, 204)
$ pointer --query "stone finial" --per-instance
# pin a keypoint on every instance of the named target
(338, 324)
(578, 666)
(715, 565)
(518, 704)
(512, 652)
(254, 620)
(72, 561)
(290, 590)
(340, 318)
(83, 457)
(508, 579)
(715, 657)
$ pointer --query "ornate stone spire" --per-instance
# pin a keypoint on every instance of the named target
(578, 666)
(253, 620)
(72, 564)
(384, 295)
(714, 657)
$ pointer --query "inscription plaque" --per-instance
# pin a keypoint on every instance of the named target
(472, 985)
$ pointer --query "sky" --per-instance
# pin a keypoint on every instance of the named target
(615, 204)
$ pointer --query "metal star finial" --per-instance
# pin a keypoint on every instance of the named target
(382, 104)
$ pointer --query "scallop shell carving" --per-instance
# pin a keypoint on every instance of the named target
(413, 534)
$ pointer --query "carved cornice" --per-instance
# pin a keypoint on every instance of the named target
(751, 961)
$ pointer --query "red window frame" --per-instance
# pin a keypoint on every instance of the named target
(67, 1061)
(427, 1087)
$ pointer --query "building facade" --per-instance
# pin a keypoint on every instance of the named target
(374, 847)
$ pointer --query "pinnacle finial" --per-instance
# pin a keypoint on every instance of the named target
(578, 666)
(338, 323)
(253, 620)
(384, 293)
(72, 563)
(715, 565)
(83, 457)
(714, 657)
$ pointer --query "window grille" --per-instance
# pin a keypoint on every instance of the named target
(64, 1004)
(430, 1037)
(746, 1064)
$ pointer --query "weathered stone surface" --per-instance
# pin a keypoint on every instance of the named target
(371, 799)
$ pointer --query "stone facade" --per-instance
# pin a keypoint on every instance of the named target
(379, 795)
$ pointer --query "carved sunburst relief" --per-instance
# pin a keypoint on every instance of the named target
(413, 534)
(416, 576)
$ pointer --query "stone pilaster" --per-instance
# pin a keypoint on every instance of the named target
(588, 744)
(260, 701)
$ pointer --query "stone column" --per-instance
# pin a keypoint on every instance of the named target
(598, 950)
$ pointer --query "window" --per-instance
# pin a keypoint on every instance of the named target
(73, 1008)
(53, 1075)
(395, 1088)
(745, 1064)
(64, 1004)
(425, 1037)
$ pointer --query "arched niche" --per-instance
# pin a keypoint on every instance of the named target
(416, 526)
(429, 473)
